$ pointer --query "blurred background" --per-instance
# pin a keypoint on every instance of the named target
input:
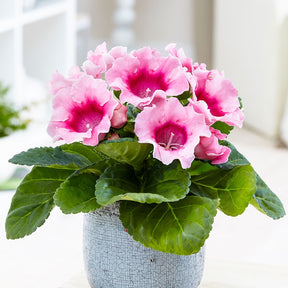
(248, 39)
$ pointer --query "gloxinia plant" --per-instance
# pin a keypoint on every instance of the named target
(149, 132)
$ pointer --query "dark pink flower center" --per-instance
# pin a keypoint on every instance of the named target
(171, 136)
(86, 116)
(212, 102)
(144, 83)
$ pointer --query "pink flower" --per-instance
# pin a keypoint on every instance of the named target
(180, 54)
(101, 60)
(141, 73)
(59, 81)
(219, 95)
(210, 149)
(173, 130)
(82, 112)
(185, 61)
(119, 117)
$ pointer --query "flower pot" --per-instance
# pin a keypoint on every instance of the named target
(113, 259)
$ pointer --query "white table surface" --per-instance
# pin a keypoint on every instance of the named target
(249, 251)
(222, 274)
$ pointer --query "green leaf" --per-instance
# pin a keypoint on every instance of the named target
(126, 151)
(118, 182)
(234, 188)
(161, 184)
(235, 157)
(132, 112)
(117, 93)
(48, 156)
(33, 200)
(86, 151)
(77, 194)
(240, 103)
(266, 201)
(222, 127)
(179, 227)
(167, 180)
(185, 95)
(199, 167)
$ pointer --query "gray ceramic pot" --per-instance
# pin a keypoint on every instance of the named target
(114, 260)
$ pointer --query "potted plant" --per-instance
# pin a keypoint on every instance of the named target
(10, 118)
(144, 155)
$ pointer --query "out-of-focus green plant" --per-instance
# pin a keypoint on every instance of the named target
(10, 119)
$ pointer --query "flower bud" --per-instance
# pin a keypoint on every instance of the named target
(119, 117)
(114, 136)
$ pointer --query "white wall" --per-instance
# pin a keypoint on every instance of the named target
(164, 21)
(250, 44)
(157, 23)
(203, 21)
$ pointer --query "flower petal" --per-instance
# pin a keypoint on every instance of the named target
(172, 129)
(144, 71)
(83, 111)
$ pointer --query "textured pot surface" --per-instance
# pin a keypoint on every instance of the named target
(114, 260)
